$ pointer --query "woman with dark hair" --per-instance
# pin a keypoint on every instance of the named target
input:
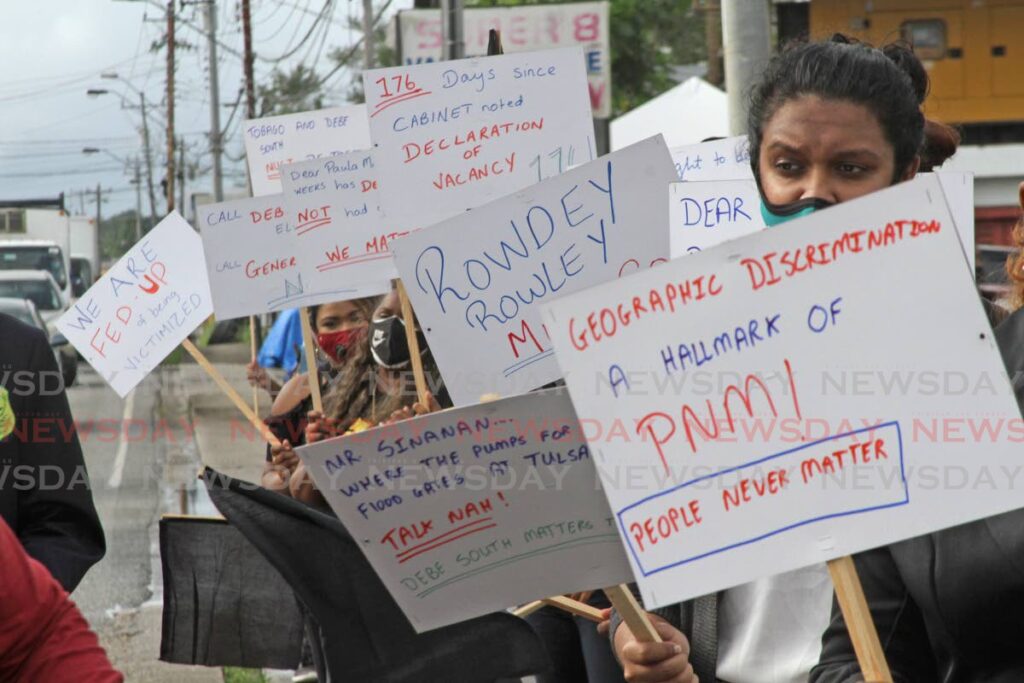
(340, 328)
(828, 122)
(378, 387)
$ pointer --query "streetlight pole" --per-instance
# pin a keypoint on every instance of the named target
(147, 150)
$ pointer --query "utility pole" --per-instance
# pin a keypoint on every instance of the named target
(368, 42)
(149, 159)
(712, 10)
(99, 222)
(181, 177)
(452, 32)
(247, 60)
(216, 144)
(170, 106)
(138, 200)
(747, 47)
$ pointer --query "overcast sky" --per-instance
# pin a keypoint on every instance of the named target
(54, 50)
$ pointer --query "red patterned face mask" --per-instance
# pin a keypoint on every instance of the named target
(337, 344)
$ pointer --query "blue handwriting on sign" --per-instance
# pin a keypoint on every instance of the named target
(590, 204)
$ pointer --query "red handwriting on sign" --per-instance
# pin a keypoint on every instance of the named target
(149, 280)
(664, 526)
(395, 89)
(461, 531)
(606, 322)
(857, 454)
(773, 267)
(713, 428)
(526, 332)
(254, 269)
(313, 218)
(756, 487)
(269, 214)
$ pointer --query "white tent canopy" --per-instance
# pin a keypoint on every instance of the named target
(686, 114)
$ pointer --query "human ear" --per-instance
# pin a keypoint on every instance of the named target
(912, 169)
(1020, 193)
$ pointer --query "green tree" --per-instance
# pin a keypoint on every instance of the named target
(289, 92)
(648, 38)
(351, 58)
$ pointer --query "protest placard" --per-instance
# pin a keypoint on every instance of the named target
(143, 307)
(276, 140)
(705, 213)
(523, 28)
(958, 187)
(455, 135)
(725, 159)
(807, 392)
(475, 279)
(468, 511)
(333, 204)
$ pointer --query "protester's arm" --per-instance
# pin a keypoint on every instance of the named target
(57, 524)
(664, 662)
(43, 636)
(897, 618)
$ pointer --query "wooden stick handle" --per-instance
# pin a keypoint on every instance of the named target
(858, 620)
(253, 353)
(580, 609)
(528, 609)
(312, 373)
(632, 613)
(229, 390)
(409, 318)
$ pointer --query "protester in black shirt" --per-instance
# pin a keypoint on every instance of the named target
(45, 496)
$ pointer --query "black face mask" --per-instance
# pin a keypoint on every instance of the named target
(388, 344)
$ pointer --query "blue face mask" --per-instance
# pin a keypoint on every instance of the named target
(775, 214)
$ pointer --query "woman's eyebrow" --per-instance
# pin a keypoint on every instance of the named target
(784, 147)
(858, 152)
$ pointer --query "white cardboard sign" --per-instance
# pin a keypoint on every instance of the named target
(468, 511)
(800, 394)
(725, 159)
(523, 28)
(273, 141)
(143, 307)
(334, 204)
(959, 189)
(475, 280)
(704, 214)
(256, 262)
(455, 135)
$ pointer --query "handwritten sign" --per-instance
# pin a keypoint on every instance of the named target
(725, 159)
(523, 29)
(468, 511)
(785, 398)
(333, 204)
(255, 261)
(958, 187)
(455, 135)
(704, 214)
(143, 307)
(476, 279)
(276, 140)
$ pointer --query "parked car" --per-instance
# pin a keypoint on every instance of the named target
(40, 289)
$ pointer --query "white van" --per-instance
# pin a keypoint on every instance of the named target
(43, 255)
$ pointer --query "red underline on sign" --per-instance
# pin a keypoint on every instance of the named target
(352, 261)
(419, 92)
(436, 543)
(312, 225)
